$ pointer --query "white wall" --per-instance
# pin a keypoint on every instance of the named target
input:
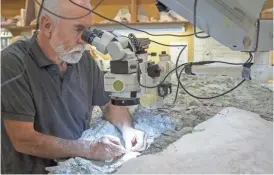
(210, 49)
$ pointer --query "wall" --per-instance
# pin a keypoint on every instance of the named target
(210, 49)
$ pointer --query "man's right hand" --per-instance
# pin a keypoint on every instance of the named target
(107, 148)
(28, 141)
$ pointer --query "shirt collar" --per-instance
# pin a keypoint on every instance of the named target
(39, 56)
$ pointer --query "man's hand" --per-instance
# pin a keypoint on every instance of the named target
(107, 148)
(135, 140)
(120, 117)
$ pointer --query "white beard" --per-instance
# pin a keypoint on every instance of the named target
(72, 56)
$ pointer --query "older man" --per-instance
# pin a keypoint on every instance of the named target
(47, 106)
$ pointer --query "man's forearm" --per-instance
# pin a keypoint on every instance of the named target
(117, 115)
(45, 146)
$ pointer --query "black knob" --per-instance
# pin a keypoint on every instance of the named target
(98, 32)
(153, 70)
(153, 54)
(163, 52)
(133, 66)
(88, 36)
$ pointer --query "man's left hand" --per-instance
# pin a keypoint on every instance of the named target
(135, 140)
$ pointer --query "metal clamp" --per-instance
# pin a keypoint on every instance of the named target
(247, 71)
(188, 69)
(164, 89)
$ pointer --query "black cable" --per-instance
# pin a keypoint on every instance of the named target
(138, 74)
(37, 27)
(97, 5)
(156, 42)
(257, 37)
(194, 96)
(178, 86)
(132, 28)
(163, 79)
(179, 81)
(70, 18)
(174, 70)
(195, 33)
(39, 14)
(194, 21)
(168, 45)
(92, 11)
(223, 62)
(177, 67)
(250, 58)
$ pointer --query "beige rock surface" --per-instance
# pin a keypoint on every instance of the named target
(234, 141)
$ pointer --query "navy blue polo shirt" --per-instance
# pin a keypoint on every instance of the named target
(57, 105)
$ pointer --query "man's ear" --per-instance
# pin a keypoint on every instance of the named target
(46, 25)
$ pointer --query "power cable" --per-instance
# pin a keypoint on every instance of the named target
(193, 63)
(151, 87)
(69, 18)
(197, 97)
(37, 27)
(91, 11)
(156, 42)
(176, 69)
(39, 14)
(127, 26)
(194, 21)
(178, 86)
(75, 18)
(168, 45)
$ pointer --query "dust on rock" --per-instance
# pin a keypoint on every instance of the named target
(189, 112)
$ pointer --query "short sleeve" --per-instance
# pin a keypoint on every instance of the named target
(100, 97)
(16, 97)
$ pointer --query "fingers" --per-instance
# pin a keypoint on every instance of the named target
(141, 143)
(116, 148)
(113, 139)
(111, 154)
(109, 157)
(145, 143)
(113, 144)
(128, 145)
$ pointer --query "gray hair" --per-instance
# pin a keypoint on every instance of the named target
(54, 7)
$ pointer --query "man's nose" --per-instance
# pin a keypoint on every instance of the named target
(80, 41)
